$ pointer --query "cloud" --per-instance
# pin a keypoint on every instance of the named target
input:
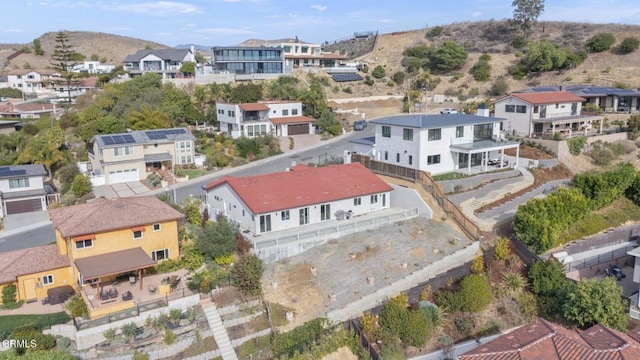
(158, 8)
(386, 21)
(319, 7)
(476, 14)
(226, 31)
(12, 30)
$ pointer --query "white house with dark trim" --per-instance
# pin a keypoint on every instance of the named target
(22, 189)
(166, 62)
(437, 143)
(281, 118)
(302, 196)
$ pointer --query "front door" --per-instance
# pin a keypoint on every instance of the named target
(29, 289)
(574, 109)
(543, 111)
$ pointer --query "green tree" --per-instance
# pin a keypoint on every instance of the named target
(284, 88)
(245, 93)
(526, 14)
(546, 277)
(378, 72)
(218, 239)
(398, 77)
(449, 56)
(629, 45)
(594, 301)
(600, 42)
(313, 99)
(481, 71)
(475, 293)
(148, 119)
(9, 297)
(328, 123)
(246, 274)
(499, 87)
(188, 68)
(81, 185)
(544, 56)
(37, 47)
(192, 210)
(63, 57)
(38, 151)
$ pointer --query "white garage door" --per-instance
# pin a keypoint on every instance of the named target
(121, 176)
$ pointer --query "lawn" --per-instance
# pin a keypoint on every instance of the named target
(449, 176)
(194, 173)
(42, 321)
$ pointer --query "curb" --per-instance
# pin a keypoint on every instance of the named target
(24, 228)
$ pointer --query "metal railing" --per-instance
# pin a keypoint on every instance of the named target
(600, 258)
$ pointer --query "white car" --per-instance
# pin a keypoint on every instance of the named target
(449, 111)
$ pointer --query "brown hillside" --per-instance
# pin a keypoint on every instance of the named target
(113, 48)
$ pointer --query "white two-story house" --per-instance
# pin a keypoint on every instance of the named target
(166, 62)
(22, 189)
(133, 156)
(543, 113)
(31, 82)
(437, 143)
(282, 118)
(299, 197)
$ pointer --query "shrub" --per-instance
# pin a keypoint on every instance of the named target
(246, 273)
(576, 144)
(503, 249)
(600, 42)
(129, 330)
(398, 77)
(378, 72)
(475, 293)
(451, 301)
(433, 33)
(81, 185)
(477, 265)
(368, 80)
(629, 45)
(304, 335)
(499, 87)
(519, 42)
(463, 325)
(169, 337)
(77, 306)
(137, 355)
(109, 334)
(481, 71)
(175, 314)
(9, 297)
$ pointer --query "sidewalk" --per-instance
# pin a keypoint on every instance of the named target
(17, 223)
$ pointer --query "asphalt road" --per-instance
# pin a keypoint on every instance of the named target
(313, 155)
(38, 236)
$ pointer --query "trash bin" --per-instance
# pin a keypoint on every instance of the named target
(340, 214)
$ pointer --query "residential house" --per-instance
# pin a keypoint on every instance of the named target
(437, 143)
(132, 156)
(22, 189)
(302, 54)
(33, 83)
(92, 67)
(109, 238)
(77, 86)
(299, 197)
(541, 113)
(27, 110)
(166, 62)
(247, 61)
(283, 118)
(7, 126)
(34, 271)
(609, 99)
(542, 339)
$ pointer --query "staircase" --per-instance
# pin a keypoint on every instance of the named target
(166, 176)
(219, 332)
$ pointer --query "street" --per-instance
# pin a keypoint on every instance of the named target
(32, 237)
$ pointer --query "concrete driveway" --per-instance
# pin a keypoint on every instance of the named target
(25, 220)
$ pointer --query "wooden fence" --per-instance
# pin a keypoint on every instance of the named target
(433, 188)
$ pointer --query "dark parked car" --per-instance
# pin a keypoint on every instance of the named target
(359, 125)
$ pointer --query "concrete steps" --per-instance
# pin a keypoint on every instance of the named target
(219, 332)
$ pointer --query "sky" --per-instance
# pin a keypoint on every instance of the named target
(229, 22)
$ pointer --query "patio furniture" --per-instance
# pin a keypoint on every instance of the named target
(60, 294)
(132, 280)
(164, 281)
(45, 301)
(127, 295)
(175, 283)
(113, 293)
(104, 295)
(153, 289)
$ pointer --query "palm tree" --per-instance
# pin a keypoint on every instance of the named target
(38, 151)
(147, 118)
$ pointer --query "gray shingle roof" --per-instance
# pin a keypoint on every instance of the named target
(164, 54)
(12, 171)
(142, 137)
(432, 121)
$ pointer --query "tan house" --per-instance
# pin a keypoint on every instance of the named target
(117, 158)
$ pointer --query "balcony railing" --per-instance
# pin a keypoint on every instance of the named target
(246, 58)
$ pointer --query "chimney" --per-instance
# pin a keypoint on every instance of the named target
(192, 48)
(483, 110)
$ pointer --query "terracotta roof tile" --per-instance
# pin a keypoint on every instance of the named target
(103, 215)
(303, 186)
(29, 261)
(291, 120)
(548, 97)
(253, 106)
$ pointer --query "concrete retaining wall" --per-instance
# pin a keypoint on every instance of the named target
(370, 301)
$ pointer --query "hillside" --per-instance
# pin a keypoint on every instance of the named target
(113, 48)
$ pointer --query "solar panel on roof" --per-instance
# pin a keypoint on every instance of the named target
(155, 135)
(346, 77)
(14, 172)
(117, 139)
(174, 131)
(107, 140)
(4, 169)
(128, 139)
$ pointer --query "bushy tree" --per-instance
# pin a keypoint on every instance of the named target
(544, 56)
(218, 239)
(526, 14)
(449, 56)
(502, 250)
(629, 45)
(192, 211)
(188, 68)
(246, 274)
(378, 72)
(475, 293)
(329, 123)
(594, 301)
(246, 93)
(481, 71)
(546, 277)
(603, 188)
(398, 77)
(600, 42)
(499, 87)
(37, 47)
(412, 327)
(81, 185)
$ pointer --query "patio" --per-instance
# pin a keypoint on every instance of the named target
(124, 295)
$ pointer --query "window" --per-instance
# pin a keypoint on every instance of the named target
(521, 109)
(125, 150)
(294, 111)
(137, 234)
(459, 131)
(535, 109)
(386, 131)
(285, 112)
(397, 157)
(410, 159)
(509, 108)
(265, 223)
(47, 280)
(386, 155)
(325, 212)
(18, 183)
(407, 134)
(160, 255)
(482, 132)
(304, 216)
(433, 159)
(557, 106)
(374, 198)
(357, 201)
(220, 111)
(434, 134)
(84, 244)
(284, 215)
(156, 227)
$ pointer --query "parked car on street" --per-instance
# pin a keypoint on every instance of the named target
(449, 111)
(359, 125)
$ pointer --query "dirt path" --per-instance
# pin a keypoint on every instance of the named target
(342, 353)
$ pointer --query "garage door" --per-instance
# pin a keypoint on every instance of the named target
(297, 129)
(121, 176)
(22, 206)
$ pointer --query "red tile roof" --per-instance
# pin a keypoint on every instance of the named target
(548, 97)
(29, 261)
(253, 106)
(303, 186)
(103, 215)
(545, 340)
(291, 120)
